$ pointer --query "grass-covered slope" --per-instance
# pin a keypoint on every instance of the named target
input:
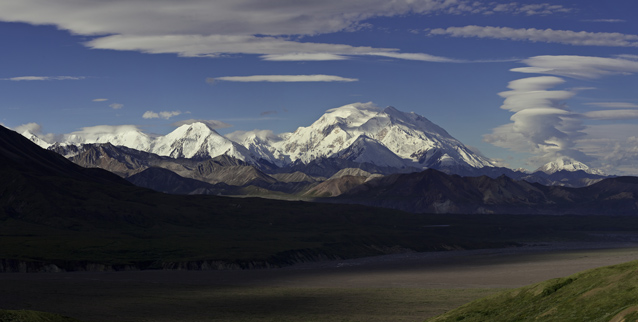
(603, 294)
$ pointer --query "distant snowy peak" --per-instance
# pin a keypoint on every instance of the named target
(567, 164)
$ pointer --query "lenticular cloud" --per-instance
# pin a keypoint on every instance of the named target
(542, 123)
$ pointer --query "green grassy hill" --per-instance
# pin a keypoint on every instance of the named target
(603, 294)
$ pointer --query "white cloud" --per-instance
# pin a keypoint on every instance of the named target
(32, 127)
(195, 28)
(612, 115)
(214, 124)
(150, 115)
(613, 104)
(568, 37)
(303, 57)
(100, 100)
(168, 114)
(283, 78)
(530, 9)
(606, 20)
(542, 124)
(417, 56)
(614, 150)
(218, 45)
(164, 114)
(36, 129)
(116, 106)
(578, 66)
(43, 78)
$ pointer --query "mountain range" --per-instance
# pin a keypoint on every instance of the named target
(429, 190)
(291, 165)
(356, 132)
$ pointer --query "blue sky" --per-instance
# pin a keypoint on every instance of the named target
(524, 82)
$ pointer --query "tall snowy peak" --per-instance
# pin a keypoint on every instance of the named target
(412, 137)
(567, 164)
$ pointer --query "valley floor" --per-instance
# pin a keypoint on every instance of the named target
(402, 287)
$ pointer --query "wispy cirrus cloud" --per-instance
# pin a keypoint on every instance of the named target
(282, 78)
(100, 100)
(43, 78)
(116, 106)
(567, 37)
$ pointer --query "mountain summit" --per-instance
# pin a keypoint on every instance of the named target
(410, 137)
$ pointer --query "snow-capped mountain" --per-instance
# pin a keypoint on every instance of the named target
(567, 164)
(410, 137)
(195, 140)
(124, 135)
(358, 132)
